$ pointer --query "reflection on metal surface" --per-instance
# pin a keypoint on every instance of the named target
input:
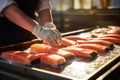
(62, 5)
(82, 4)
(114, 71)
(105, 3)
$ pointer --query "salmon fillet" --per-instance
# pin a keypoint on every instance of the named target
(19, 57)
(67, 42)
(75, 38)
(97, 47)
(64, 42)
(37, 48)
(53, 60)
(111, 35)
(101, 42)
(81, 51)
(110, 39)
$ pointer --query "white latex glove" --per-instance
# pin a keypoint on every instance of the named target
(48, 33)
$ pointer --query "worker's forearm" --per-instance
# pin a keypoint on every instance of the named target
(45, 16)
(15, 15)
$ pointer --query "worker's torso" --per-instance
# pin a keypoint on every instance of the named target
(10, 33)
(28, 6)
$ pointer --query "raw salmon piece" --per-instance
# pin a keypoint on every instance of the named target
(30, 57)
(39, 55)
(47, 43)
(67, 42)
(37, 48)
(19, 57)
(53, 60)
(101, 42)
(110, 39)
(64, 42)
(8, 54)
(111, 35)
(67, 55)
(81, 51)
(75, 38)
(97, 47)
(11, 55)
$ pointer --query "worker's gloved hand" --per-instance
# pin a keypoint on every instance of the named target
(48, 33)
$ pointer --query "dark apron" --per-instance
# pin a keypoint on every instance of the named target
(11, 33)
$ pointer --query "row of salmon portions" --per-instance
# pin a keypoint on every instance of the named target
(76, 45)
(98, 41)
(25, 58)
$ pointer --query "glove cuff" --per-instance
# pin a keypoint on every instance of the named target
(37, 29)
(49, 25)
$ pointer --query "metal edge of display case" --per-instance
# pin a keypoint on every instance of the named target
(103, 69)
(31, 72)
(112, 73)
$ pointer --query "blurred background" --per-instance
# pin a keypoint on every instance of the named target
(72, 15)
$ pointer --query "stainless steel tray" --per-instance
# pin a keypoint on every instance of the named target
(80, 68)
